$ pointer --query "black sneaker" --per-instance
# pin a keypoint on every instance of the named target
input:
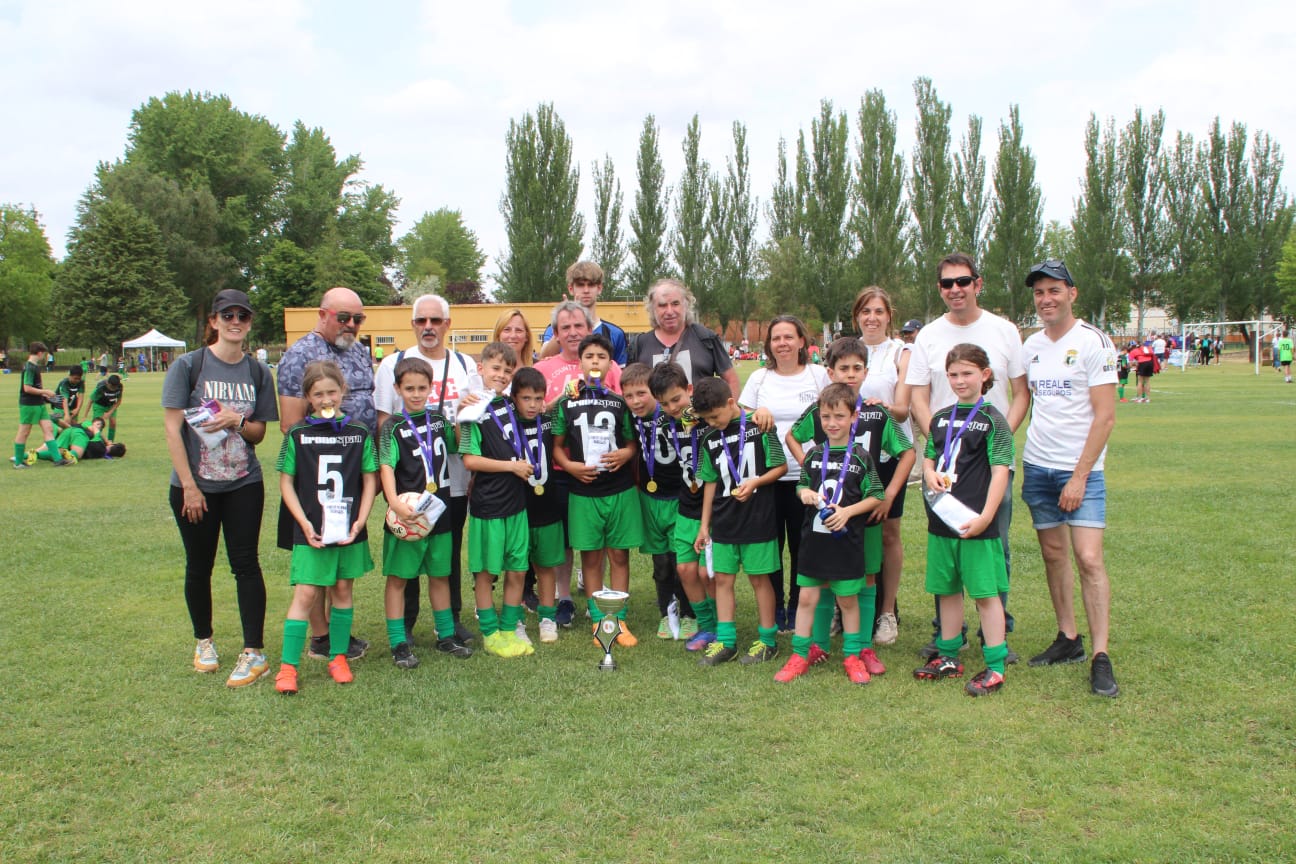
(319, 648)
(1102, 680)
(759, 652)
(454, 648)
(1063, 650)
(531, 601)
(1012, 657)
(403, 656)
(717, 653)
(939, 667)
(984, 683)
(565, 612)
(462, 634)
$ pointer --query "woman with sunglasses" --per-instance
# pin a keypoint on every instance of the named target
(216, 403)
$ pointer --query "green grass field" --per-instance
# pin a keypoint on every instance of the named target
(115, 750)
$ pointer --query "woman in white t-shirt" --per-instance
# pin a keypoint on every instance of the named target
(780, 393)
(888, 361)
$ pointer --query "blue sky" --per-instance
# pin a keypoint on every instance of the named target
(424, 91)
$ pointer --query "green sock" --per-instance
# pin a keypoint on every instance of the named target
(823, 616)
(706, 615)
(45, 454)
(55, 456)
(995, 655)
(20, 453)
(294, 640)
(488, 620)
(595, 612)
(1120, 389)
(550, 612)
(727, 634)
(340, 630)
(509, 620)
(867, 606)
(949, 647)
(443, 621)
(801, 646)
(395, 631)
(112, 433)
(852, 643)
(767, 635)
(621, 615)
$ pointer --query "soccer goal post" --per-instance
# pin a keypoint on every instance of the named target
(1261, 329)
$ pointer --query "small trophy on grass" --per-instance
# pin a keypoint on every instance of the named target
(610, 603)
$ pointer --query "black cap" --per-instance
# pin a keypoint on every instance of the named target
(1053, 268)
(230, 298)
(913, 325)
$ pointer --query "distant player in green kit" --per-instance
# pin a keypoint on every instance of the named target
(839, 479)
(68, 396)
(738, 517)
(327, 479)
(32, 397)
(1283, 348)
(105, 400)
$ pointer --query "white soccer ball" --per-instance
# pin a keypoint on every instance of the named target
(415, 529)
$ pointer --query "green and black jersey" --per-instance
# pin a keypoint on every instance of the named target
(596, 420)
(735, 522)
(71, 391)
(655, 441)
(104, 397)
(876, 432)
(31, 377)
(327, 462)
(547, 507)
(494, 494)
(686, 438)
(987, 442)
(823, 554)
(399, 448)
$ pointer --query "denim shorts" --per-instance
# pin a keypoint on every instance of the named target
(1041, 488)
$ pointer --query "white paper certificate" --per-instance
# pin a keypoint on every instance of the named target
(598, 443)
(337, 521)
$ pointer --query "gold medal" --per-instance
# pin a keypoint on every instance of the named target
(693, 487)
(328, 413)
(432, 486)
(652, 486)
(539, 490)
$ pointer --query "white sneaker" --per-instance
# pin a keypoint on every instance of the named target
(520, 632)
(548, 630)
(887, 629)
(205, 659)
(251, 666)
(580, 579)
(673, 619)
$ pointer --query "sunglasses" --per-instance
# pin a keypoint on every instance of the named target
(961, 281)
(348, 317)
(423, 322)
(240, 314)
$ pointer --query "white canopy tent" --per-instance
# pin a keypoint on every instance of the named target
(152, 340)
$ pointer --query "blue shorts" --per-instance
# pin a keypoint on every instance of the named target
(1040, 491)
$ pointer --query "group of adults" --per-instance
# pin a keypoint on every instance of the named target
(217, 486)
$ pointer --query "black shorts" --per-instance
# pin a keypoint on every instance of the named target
(1145, 369)
(886, 473)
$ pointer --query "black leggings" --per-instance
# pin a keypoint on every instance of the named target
(790, 515)
(238, 514)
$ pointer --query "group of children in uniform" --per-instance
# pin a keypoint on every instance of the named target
(677, 470)
(57, 413)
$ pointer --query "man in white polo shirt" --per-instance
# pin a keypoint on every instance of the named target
(964, 321)
(1071, 367)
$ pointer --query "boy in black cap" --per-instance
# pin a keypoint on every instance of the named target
(909, 331)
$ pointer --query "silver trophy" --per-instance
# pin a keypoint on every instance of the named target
(610, 603)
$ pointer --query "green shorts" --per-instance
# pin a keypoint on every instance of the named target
(840, 587)
(873, 549)
(975, 566)
(548, 545)
(97, 410)
(612, 522)
(32, 415)
(686, 531)
(496, 545)
(311, 566)
(658, 523)
(410, 559)
(757, 559)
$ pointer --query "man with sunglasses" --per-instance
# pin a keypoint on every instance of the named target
(964, 321)
(335, 338)
(452, 376)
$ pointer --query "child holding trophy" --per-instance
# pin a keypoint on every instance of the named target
(595, 444)
(737, 460)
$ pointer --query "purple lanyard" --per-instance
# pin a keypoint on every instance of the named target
(649, 444)
(859, 407)
(515, 441)
(735, 470)
(949, 429)
(336, 422)
(841, 476)
(429, 457)
(693, 442)
(535, 454)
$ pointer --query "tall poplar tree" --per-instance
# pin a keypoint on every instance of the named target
(732, 227)
(1016, 224)
(1182, 289)
(880, 214)
(689, 242)
(648, 260)
(1141, 208)
(608, 248)
(929, 192)
(1100, 267)
(827, 194)
(544, 228)
(969, 199)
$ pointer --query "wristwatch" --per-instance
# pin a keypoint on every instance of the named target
(242, 422)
